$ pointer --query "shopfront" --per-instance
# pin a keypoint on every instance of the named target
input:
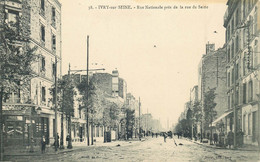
(20, 123)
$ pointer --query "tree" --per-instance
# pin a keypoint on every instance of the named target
(130, 121)
(16, 59)
(92, 99)
(65, 102)
(189, 119)
(197, 113)
(209, 109)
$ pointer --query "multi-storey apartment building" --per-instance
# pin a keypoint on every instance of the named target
(241, 21)
(32, 118)
(212, 74)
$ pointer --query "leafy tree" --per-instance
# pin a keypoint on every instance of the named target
(197, 112)
(16, 59)
(130, 121)
(209, 109)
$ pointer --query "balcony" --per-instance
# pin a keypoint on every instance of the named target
(12, 4)
(14, 99)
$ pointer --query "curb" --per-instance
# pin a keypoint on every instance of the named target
(39, 154)
(215, 147)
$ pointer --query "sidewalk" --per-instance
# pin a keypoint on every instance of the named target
(244, 148)
(51, 151)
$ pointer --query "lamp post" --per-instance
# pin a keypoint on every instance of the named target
(55, 100)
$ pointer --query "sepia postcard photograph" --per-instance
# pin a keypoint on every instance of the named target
(129, 80)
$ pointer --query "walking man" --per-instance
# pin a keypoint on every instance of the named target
(43, 143)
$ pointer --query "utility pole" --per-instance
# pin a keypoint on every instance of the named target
(191, 117)
(1, 126)
(56, 133)
(139, 119)
(87, 90)
(69, 120)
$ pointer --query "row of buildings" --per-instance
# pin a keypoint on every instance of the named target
(29, 116)
(234, 71)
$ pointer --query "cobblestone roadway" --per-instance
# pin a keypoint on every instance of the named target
(153, 149)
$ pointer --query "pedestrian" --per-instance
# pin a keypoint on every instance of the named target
(240, 135)
(156, 134)
(58, 137)
(43, 143)
(152, 134)
(215, 138)
(164, 136)
(67, 139)
(230, 138)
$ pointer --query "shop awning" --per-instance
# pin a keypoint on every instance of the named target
(221, 117)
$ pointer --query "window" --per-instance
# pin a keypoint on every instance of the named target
(43, 64)
(42, 10)
(229, 102)
(250, 91)
(232, 100)
(249, 124)
(12, 16)
(244, 65)
(53, 42)
(256, 53)
(237, 71)
(43, 94)
(244, 9)
(53, 69)
(244, 123)
(42, 33)
(237, 97)
(244, 38)
(237, 43)
(228, 79)
(233, 73)
(53, 17)
(232, 49)
(237, 17)
(228, 55)
(244, 93)
(255, 22)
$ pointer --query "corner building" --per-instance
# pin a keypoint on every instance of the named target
(241, 21)
(31, 115)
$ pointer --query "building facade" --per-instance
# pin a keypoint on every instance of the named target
(32, 116)
(241, 21)
(212, 74)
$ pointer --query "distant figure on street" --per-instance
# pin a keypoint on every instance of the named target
(240, 135)
(164, 136)
(58, 137)
(43, 143)
(67, 139)
(230, 138)
(215, 138)
(152, 134)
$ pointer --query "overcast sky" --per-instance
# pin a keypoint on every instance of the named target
(125, 39)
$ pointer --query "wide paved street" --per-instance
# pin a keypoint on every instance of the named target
(152, 149)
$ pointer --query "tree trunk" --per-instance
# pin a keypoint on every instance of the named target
(62, 132)
(61, 125)
(1, 127)
(87, 126)
(69, 125)
(92, 133)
